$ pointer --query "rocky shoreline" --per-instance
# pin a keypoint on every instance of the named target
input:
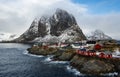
(85, 64)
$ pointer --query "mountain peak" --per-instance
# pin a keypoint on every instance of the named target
(63, 15)
(58, 10)
(99, 35)
(61, 26)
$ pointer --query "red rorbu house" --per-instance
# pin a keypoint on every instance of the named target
(89, 53)
(86, 53)
(103, 55)
(97, 47)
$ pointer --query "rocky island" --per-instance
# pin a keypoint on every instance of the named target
(85, 64)
(62, 27)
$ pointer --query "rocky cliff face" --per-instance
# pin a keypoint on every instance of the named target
(61, 26)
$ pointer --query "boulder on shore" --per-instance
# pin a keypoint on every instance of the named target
(67, 55)
(96, 67)
(42, 51)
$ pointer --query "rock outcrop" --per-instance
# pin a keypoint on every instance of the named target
(85, 64)
(91, 65)
(42, 51)
(67, 55)
(60, 27)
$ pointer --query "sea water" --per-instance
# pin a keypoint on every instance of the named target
(15, 61)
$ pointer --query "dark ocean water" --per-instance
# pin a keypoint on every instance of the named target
(16, 62)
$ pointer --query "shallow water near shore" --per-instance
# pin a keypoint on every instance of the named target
(16, 62)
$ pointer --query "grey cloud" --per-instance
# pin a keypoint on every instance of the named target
(108, 23)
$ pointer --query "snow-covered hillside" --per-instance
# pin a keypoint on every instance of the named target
(99, 35)
(7, 36)
(59, 27)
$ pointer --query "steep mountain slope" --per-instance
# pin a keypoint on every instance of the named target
(61, 26)
(30, 34)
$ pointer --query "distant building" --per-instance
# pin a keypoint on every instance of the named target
(97, 47)
(90, 43)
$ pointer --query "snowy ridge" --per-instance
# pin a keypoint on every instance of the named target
(7, 36)
(99, 35)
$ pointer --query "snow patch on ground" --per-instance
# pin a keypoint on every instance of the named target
(48, 27)
(55, 16)
(66, 35)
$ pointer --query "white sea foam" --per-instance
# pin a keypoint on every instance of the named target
(110, 74)
(59, 62)
(76, 72)
(26, 53)
(49, 58)
(73, 70)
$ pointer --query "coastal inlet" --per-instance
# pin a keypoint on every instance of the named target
(16, 62)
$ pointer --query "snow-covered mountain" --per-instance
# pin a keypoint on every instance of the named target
(99, 35)
(61, 26)
(7, 36)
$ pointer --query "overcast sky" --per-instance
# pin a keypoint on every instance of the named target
(17, 15)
